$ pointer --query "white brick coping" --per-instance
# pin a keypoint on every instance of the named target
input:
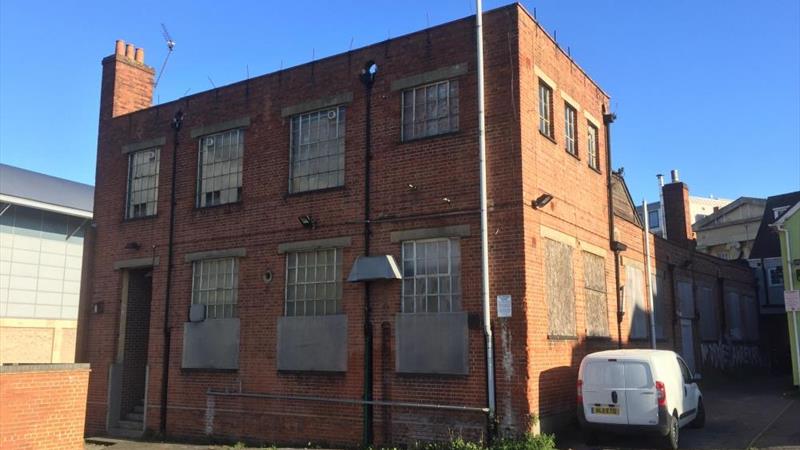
(22, 368)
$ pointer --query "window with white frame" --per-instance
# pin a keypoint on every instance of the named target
(570, 127)
(777, 212)
(431, 276)
(545, 109)
(317, 150)
(430, 110)
(214, 284)
(314, 282)
(220, 168)
(142, 183)
(775, 276)
(591, 146)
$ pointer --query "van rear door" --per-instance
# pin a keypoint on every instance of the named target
(604, 391)
(640, 394)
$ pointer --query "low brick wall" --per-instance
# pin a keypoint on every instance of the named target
(42, 406)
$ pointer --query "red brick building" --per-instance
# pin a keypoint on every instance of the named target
(281, 182)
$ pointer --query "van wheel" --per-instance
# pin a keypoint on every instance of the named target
(700, 419)
(590, 437)
(671, 439)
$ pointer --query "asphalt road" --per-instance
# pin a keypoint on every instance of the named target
(759, 412)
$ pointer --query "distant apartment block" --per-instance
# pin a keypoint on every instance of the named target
(42, 223)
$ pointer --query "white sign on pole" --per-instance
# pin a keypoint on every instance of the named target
(792, 300)
(503, 306)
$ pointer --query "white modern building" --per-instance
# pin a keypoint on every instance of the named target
(42, 224)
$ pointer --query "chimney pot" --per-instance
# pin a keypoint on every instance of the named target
(660, 180)
(140, 55)
(120, 48)
(129, 50)
(674, 174)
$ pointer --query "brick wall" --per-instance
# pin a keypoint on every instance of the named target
(43, 406)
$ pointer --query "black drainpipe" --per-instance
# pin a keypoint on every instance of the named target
(176, 126)
(616, 247)
(368, 78)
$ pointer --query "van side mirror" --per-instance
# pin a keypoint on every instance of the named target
(697, 378)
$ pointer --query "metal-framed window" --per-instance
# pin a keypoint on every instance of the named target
(314, 282)
(775, 275)
(317, 150)
(215, 284)
(142, 198)
(570, 129)
(591, 145)
(653, 218)
(545, 109)
(431, 276)
(220, 168)
(430, 110)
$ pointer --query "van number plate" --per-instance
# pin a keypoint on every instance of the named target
(607, 410)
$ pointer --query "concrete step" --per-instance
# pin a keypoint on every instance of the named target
(125, 433)
(134, 417)
(130, 425)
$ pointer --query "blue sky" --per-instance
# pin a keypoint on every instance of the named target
(711, 88)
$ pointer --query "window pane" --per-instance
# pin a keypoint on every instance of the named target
(313, 282)
(430, 276)
(317, 150)
(142, 183)
(430, 110)
(215, 285)
(221, 168)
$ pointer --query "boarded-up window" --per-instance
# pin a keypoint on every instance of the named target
(594, 270)
(750, 317)
(660, 300)
(685, 300)
(634, 301)
(733, 316)
(560, 287)
(709, 325)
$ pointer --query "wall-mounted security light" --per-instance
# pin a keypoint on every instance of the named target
(97, 308)
(307, 222)
(541, 201)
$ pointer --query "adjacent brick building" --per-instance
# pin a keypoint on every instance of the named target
(283, 181)
(42, 406)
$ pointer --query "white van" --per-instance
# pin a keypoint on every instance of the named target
(638, 391)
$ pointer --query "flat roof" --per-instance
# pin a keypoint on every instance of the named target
(37, 190)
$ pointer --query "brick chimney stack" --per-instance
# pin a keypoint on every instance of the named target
(676, 211)
(127, 84)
